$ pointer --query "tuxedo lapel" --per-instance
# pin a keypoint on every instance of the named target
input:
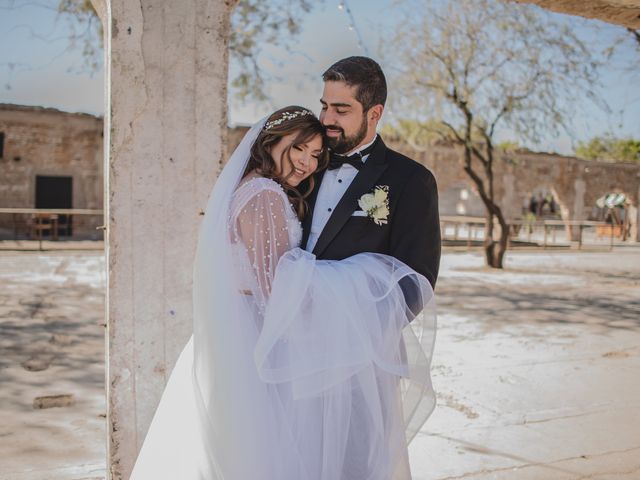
(311, 201)
(362, 183)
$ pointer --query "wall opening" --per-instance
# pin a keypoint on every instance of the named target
(542, 204)
(56, 192)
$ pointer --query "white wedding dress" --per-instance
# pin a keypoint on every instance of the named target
(298, 369)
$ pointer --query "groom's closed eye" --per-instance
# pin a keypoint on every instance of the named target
(340, 111)
(340, 107)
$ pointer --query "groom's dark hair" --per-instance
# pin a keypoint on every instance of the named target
(363, 73)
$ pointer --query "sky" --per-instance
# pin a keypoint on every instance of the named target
(37, 67)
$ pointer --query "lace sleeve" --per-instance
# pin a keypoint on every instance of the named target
(262, 228)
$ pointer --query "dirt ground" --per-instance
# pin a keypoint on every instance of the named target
(536, 368)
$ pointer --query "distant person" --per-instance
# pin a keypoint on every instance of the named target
(533, 205)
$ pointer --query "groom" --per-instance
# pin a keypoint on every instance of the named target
(401, 218)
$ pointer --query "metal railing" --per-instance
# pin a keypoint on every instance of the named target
(470, 230)
(32, 223)
(544, 233)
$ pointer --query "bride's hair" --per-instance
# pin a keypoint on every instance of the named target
(280, 123)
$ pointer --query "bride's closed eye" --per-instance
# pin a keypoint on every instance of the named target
(300, 149)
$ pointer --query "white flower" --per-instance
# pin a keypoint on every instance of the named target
(376, 204)
(367, 202)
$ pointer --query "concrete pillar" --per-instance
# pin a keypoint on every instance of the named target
(167, 64)
(579, 189)
(511, 204)
(634, 217)
(634, 214)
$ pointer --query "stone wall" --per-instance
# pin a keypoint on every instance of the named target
(575, 184)
(49, 142)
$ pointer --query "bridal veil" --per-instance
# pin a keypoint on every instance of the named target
(300, 369)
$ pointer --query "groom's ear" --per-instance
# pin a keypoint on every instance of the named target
(375, 112)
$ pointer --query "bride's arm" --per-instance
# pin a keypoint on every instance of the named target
(263, 229)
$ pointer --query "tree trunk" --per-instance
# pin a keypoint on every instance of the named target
(494, 250)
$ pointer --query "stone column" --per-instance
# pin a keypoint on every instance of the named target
(634, 214)
(579, 189)
(510, 203)
(167, 65)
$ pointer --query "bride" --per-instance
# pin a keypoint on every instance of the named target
(297, 369)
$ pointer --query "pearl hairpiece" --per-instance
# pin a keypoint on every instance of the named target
(287, 116)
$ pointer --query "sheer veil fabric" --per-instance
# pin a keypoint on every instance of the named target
(298, 368)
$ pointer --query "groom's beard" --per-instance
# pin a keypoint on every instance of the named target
(344, 144)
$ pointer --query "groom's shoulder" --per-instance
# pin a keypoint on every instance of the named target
(407, 167)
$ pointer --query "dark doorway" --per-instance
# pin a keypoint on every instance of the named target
(56, 192)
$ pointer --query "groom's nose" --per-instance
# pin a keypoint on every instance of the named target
(328, 118)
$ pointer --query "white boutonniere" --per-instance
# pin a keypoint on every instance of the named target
(376, 204)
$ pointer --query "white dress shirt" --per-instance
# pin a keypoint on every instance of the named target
(334, 185)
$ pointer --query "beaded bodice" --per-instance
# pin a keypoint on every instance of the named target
(263, 226)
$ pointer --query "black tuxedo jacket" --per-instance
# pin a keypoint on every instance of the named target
(412, 234)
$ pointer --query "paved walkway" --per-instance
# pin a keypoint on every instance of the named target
(536, 368)
(52, 342)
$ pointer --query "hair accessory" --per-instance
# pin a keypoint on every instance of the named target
(287, 116)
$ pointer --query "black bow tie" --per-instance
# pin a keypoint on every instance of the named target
(355, 159)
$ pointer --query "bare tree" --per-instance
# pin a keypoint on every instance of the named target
(255, 23)
(485, 65)
(85, 30)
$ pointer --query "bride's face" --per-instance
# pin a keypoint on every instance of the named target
(304, 157)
